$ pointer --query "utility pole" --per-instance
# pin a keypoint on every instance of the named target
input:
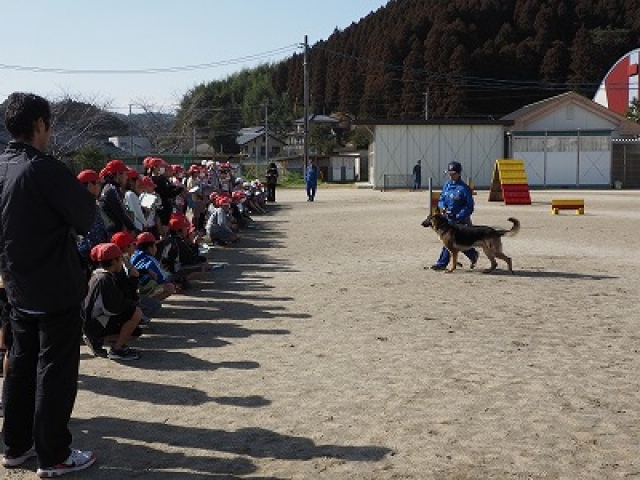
(426, 104)
(266, 134)
(306, 104)
(130, 132)
(195, 143)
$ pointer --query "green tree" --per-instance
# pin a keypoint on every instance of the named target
(321, 138)
(633, 113)
(89, 157)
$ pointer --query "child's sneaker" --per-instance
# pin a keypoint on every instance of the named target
(124, 353)
(10, 462)
(78, 460)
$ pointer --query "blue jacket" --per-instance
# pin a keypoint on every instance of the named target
(456, 199)
(312, 174)
(144, 262)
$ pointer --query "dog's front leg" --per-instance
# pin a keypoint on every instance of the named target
(453, 262)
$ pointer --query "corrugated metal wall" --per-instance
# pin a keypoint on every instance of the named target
(397, 148)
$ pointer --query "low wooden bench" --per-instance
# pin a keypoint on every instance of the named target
(576, 204)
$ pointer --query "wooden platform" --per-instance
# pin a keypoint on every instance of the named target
(576, 204)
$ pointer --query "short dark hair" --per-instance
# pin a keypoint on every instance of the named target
(146, 246)
(22, 110)
(107, 263)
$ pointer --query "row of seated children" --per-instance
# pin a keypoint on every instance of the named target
(129, 282)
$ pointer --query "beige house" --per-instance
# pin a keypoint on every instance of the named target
(567, 141)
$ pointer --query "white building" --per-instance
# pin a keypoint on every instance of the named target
(136, 146)
(397, 146)
(566, 140)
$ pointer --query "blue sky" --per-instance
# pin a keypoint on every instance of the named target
(45, 43)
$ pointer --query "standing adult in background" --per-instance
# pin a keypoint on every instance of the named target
(456, 203)
(417, 176)
(42, 207)
(272, 181)
(311, 179)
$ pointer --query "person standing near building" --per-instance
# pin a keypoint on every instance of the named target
(311, 179)
(42, 208)
(417, 176)
(272, 181)
(456, 203)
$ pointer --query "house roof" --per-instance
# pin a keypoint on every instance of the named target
(531, 112)
(313, 118)
(246, 135)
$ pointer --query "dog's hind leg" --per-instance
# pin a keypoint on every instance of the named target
(491, 256)
(508, 261)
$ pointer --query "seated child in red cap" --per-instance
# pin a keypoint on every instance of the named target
(108, 311)
(129, 278)
(218, 227)
(154, 280)
(180, 257)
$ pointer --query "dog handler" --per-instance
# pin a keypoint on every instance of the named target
(456, 203)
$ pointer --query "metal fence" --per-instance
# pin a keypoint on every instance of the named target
(390, 181)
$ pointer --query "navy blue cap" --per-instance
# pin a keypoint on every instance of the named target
(454, 167)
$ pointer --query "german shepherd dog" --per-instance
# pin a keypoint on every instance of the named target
(457, 238)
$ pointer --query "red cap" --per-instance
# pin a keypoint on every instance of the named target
(177, 168)
(132, 173)
(145, 237)
(220, 201)
(238, 195)
(146, 162)
(86, 176)
(105, 251)
(157, 162)
(213, 196)
(123, 239)
(115, 166)
(178, 223)
(194, 169)
(147, 182)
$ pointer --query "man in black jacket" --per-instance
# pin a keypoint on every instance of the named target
(42, 207)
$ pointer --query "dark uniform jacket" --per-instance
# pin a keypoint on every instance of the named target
(42, 208)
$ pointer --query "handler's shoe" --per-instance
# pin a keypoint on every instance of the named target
(77, 460)
(474, 260)
(438, 267)
(10, 462)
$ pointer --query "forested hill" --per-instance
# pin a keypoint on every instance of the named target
(474, 58)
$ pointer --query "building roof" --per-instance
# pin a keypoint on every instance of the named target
(313, 118)
(249, 134)
(530, 112)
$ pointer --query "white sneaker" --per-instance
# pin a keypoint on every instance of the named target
(78, 460)
(10, 462)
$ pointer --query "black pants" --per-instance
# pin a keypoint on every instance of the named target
(41, 383)
(271, 192)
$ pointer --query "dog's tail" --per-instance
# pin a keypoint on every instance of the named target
(516, 227)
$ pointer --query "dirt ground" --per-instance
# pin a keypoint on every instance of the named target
(325, 350)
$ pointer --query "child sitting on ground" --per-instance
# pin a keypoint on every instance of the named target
(154, 281)
(218, 227)
(181, 258)
(108, 311)
(129, 278)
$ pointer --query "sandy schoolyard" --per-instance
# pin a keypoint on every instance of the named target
(325, 350)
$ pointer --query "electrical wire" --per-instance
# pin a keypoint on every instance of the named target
(150, 71)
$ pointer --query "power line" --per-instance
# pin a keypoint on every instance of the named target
(148, 71)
